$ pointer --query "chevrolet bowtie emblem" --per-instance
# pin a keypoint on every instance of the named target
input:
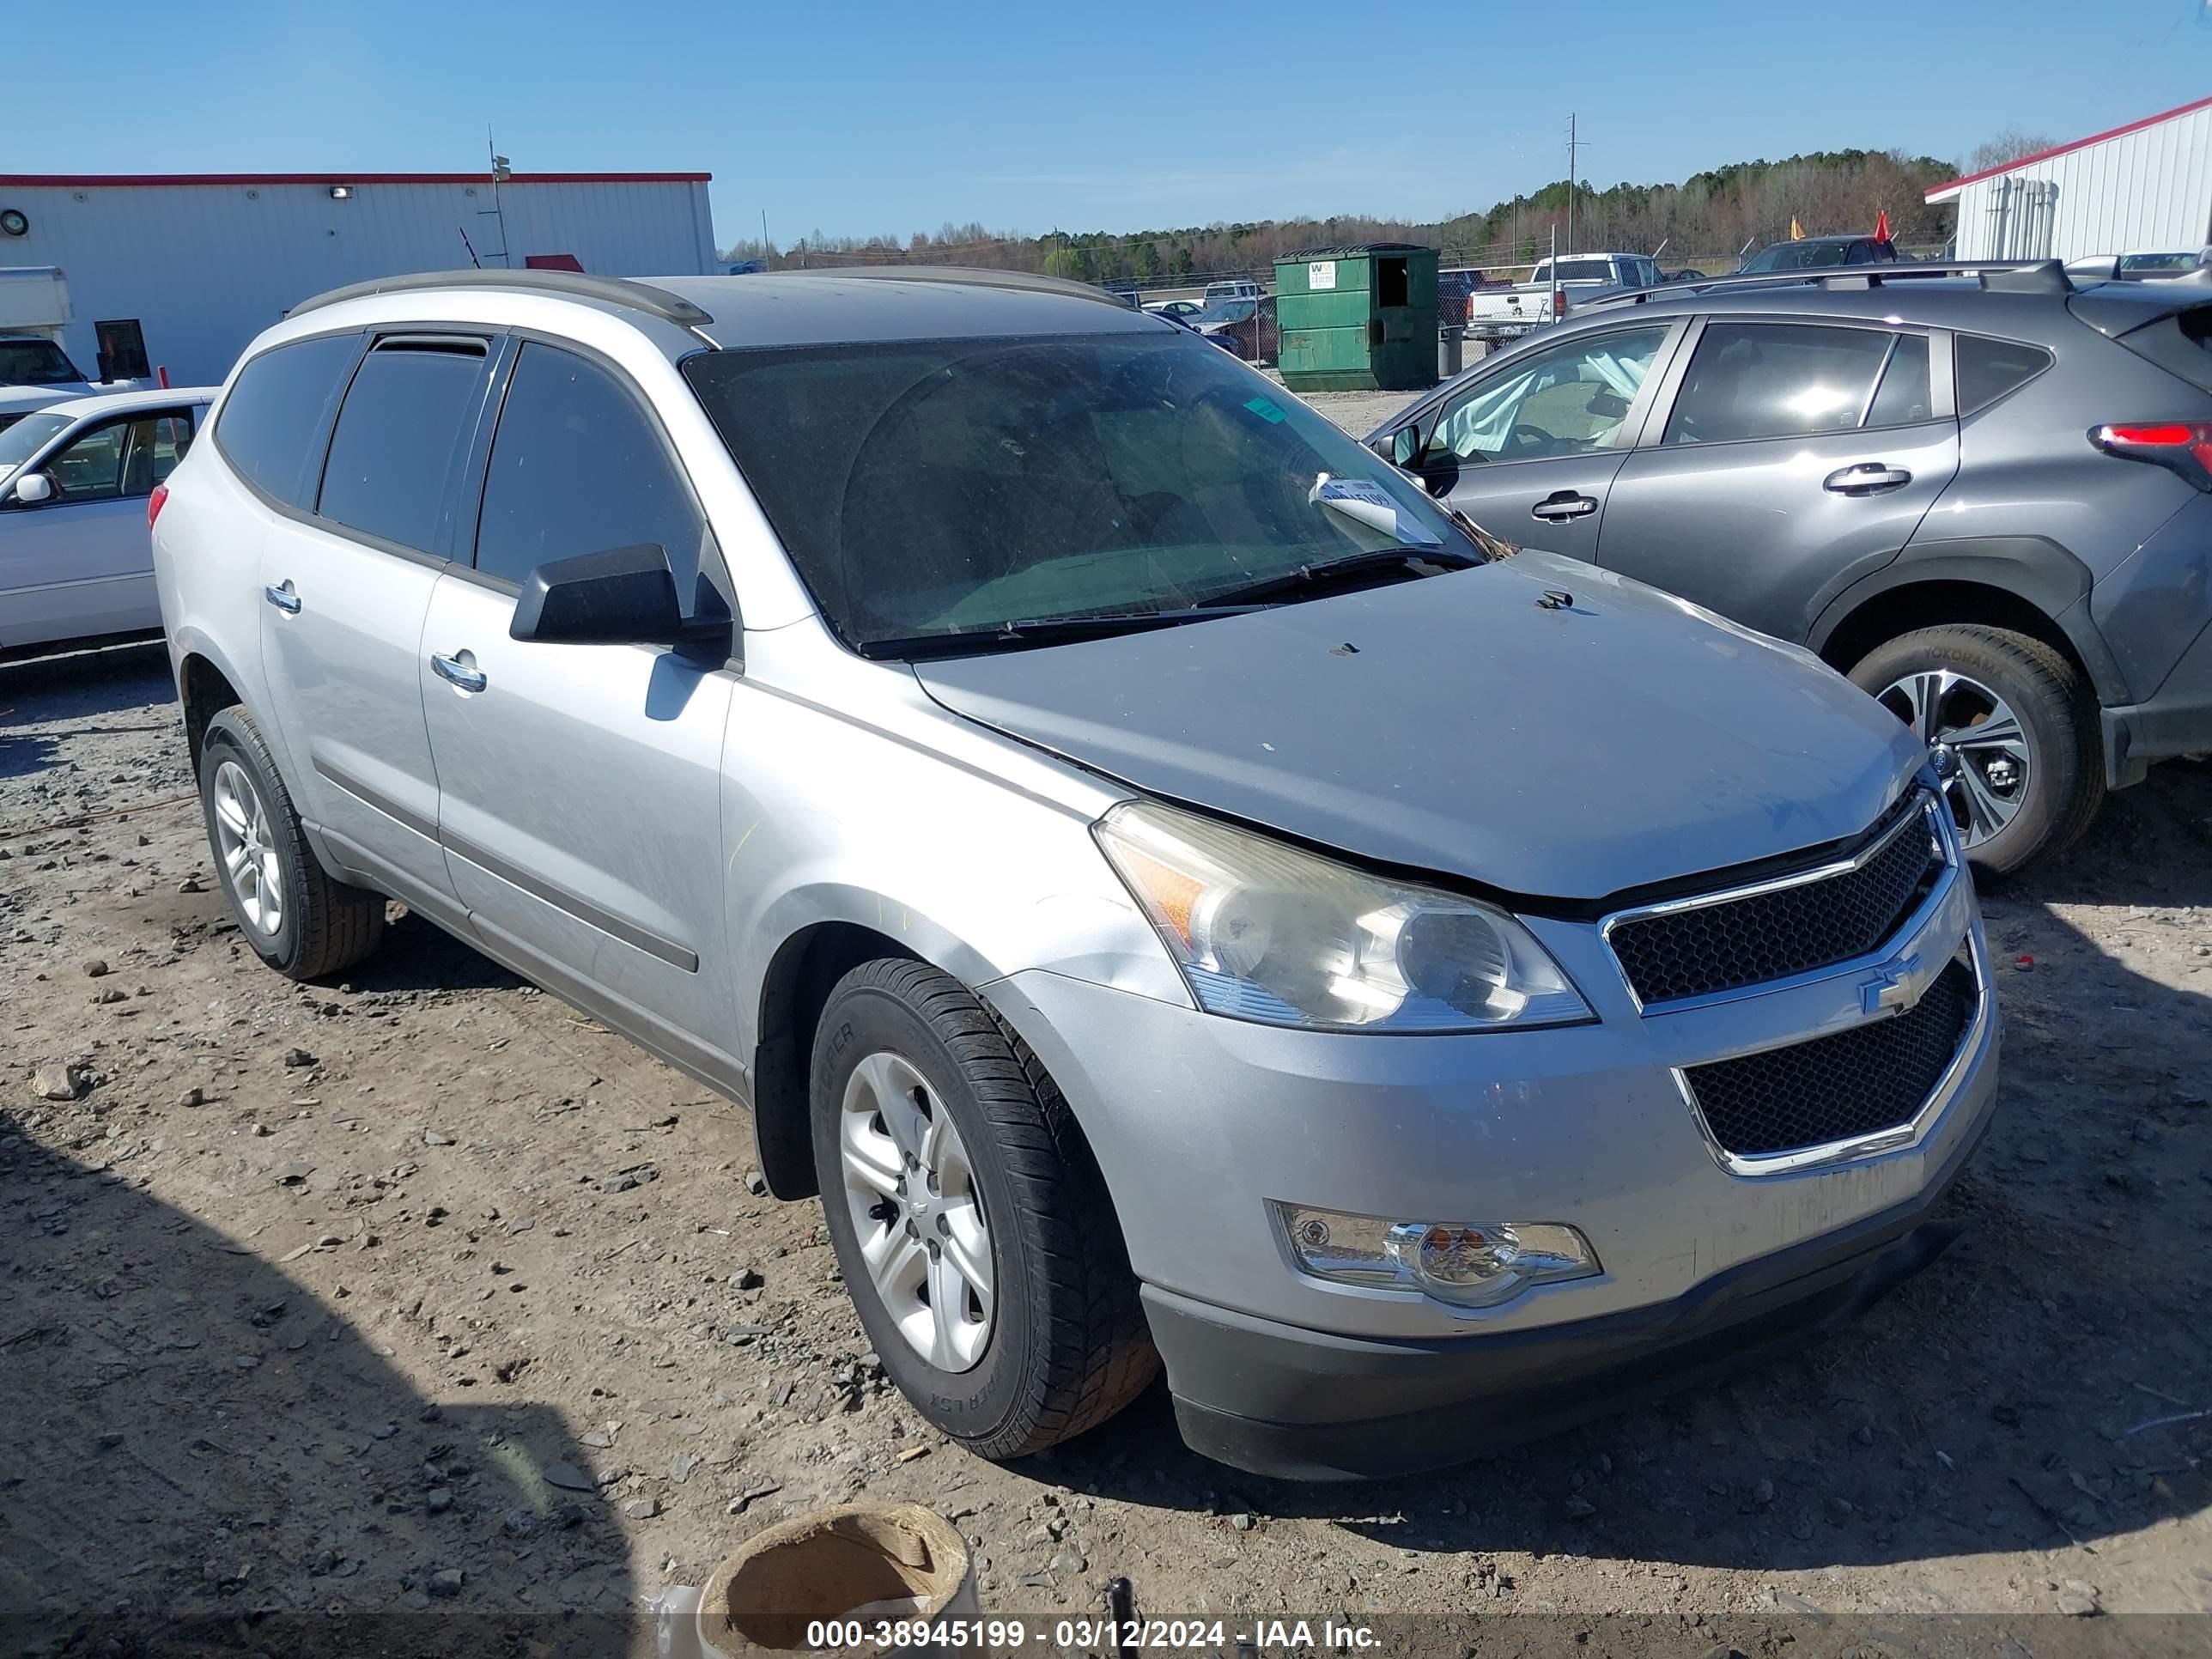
(1894, 987)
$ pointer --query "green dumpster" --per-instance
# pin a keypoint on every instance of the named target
(1358, 318)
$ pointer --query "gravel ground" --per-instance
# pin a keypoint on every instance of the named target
(422, 1291)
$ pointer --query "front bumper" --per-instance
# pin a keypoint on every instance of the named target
(1302, 1405)
(1201, 1124)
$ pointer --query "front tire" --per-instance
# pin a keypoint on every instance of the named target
(2014, 727)
(299, 919)
(973, 1228)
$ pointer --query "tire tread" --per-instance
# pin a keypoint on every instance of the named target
(1098, 1350)
(335, 924)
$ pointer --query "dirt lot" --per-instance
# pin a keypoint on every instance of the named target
(420, 1292)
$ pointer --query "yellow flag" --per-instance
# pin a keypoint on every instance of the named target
(1796, 231)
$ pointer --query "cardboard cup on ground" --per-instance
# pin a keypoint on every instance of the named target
(863, 1561)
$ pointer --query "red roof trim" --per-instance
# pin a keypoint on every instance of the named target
(96, 180)
(1933, 191)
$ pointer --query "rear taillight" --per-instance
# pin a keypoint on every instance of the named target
(1559, 303)
(155, 502)
(2183, 447)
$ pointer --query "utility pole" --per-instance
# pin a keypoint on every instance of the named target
(1572, 145)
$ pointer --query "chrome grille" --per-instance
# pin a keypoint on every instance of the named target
(1699, 948)
(1838, 1088)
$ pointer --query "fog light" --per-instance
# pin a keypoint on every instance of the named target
(1469, 1264)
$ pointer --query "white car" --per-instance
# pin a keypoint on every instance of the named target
(76, 487)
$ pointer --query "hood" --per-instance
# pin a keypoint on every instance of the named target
(1455, 723)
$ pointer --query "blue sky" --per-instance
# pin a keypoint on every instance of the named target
(891, 116)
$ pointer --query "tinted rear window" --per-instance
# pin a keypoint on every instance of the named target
(1989, 368)
(274, 414)
(405, 419)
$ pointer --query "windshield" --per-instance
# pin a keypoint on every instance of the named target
(1799, 256)
(933, 488)
(18, 442)
(35, 362)
(1226, 311)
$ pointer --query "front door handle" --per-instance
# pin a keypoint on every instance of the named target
(1867, 478)
(460, 671)
(1563, 504)
(282, 596)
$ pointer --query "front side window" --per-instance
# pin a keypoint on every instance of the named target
(1566, 399)
(274, 415)
(1775, 379)
(943, 489)
(91, 468)
(577, 467)
(406, 417)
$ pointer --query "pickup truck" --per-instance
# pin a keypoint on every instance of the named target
(35, 370)
(1553, 289)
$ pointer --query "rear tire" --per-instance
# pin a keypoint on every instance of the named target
(2015, 803)
(298, 918)
(1063, 1343)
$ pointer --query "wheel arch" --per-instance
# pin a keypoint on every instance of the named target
(205, 688)
(2025, 584)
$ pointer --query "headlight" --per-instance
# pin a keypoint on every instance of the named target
(1264, 931)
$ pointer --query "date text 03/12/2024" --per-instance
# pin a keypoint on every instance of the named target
(1089, 1635)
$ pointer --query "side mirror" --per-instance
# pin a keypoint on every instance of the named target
(625, 596)
(34, 488)
(1406, 446)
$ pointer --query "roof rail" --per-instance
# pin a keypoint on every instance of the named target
(1998, 276)
(978, 276)
(609, 290)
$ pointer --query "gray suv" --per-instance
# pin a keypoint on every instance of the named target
(1984, 494)
(1176, 893)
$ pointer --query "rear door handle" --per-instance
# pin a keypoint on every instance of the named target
(460, 671)
(282, 596)
(1867, 478)
(1563, 504)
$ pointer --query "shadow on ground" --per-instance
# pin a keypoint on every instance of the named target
(166, 1381)
(1994, 1403)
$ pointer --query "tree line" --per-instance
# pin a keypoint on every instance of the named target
(1708, 217)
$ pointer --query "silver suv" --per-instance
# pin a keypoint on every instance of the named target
(1178, 894)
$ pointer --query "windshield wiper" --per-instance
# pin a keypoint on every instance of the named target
(1044, 630)
(1351, 567)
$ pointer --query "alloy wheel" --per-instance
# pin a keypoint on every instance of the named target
(910, 1189)
(1978, 745)
(250, 863)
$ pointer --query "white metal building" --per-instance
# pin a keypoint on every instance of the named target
(2140, 188)
(204, 262)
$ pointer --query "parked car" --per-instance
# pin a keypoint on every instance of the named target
(1894, 472)
(76, 478)
(1173, 308)
(1818, 252)
(1553, 289)
(1687, 274)
(1246, 327)
(1018, 751)
(2138, 267)
(1216, 293)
